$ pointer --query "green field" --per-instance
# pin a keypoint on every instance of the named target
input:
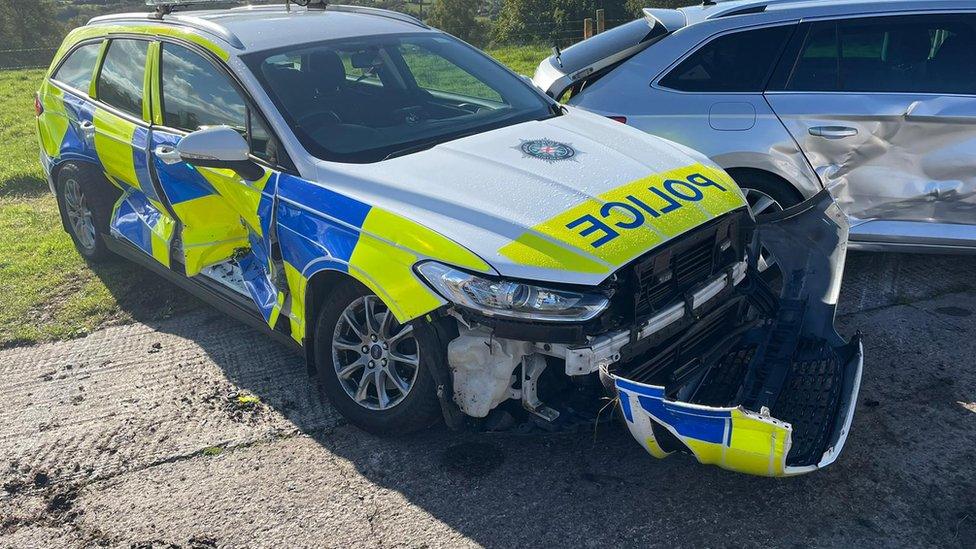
(48, 292)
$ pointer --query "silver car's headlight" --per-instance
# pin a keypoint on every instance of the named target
(509, 298)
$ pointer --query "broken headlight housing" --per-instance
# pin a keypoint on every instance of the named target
(508, 298)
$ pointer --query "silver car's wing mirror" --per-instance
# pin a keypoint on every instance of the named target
(219, 147)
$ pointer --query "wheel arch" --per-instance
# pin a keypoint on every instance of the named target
(55, 173)
(740, 174)
(321, 281)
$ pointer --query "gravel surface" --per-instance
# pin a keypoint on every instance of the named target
(198, 432)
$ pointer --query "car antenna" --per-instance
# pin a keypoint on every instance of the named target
(557, 54)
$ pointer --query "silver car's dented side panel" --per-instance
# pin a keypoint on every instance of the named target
(904, 158)
(905, 178)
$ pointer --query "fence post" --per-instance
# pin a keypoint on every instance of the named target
(587, 28)
(601, 21)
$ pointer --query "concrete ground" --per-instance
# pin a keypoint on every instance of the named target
(198, 432)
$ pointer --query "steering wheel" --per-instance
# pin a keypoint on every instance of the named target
(472, 108)
(326, 117)
(412, 115)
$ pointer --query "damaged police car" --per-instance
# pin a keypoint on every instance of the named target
(442, 239)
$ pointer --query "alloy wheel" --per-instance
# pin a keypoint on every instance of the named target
(376, 358)
(79, 214)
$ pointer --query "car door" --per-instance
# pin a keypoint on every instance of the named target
(884, 109)
(121, 141)
(225, 221)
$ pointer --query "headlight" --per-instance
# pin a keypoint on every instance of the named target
(509, 298)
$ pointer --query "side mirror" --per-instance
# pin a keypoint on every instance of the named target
(219, 147)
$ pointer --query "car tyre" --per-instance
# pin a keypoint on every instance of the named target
(766, 192)
(86, 200)
(375, 372)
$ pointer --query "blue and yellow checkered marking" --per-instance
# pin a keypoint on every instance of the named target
(732, 438)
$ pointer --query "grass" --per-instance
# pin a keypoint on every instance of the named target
(521, 59)
(47, 291)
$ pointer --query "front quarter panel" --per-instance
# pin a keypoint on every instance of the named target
(322, 230)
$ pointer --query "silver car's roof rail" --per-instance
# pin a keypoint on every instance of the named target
(389, 14)
(194, 23)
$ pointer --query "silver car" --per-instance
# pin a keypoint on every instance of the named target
(874, 100)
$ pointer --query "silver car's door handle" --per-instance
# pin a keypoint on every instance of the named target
(168, 154)
(833, 132)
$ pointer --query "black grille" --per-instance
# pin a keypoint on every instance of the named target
(662, 277)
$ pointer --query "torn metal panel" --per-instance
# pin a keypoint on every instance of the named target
(773, 396)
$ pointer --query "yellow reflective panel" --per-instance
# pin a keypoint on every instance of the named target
(113, 144)
(621, 224)
(53, 122)
(240, 195)
(160, 237)
(386, 252)
(532, 249)
(297, 285)
(408, 234)
(387, 271)
(212, 232)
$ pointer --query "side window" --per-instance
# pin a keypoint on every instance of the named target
(195, 94)
(737, 62)
(262, 143)
(898, 54)
(120, 82)
(818, 68)
(78, 69)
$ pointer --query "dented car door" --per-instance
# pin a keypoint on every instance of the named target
(884, 110)
(225, 221)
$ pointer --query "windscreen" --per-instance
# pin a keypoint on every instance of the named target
(368, 99)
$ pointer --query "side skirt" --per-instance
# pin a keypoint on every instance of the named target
(211, 292)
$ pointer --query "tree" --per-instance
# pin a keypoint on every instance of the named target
(551, 21)
(636, 7)
(29, 24)
(458, 17)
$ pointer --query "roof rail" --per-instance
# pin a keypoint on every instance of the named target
(389, 14)
(758, 8)
(194, 23)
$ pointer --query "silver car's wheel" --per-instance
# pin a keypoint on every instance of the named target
(376, 359)
(79, 214)
(761, 203)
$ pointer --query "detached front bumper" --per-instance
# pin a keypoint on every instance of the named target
(771, 395)
(733, 438)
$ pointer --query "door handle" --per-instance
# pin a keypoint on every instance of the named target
(86, 126)
(833, 132)
(168, 154)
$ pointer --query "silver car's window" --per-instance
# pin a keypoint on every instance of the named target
(898, 54)
(78, 69)
(368, 99)
(736, 62)
(120, 82)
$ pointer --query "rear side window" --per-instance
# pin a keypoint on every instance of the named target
(899, 54)
(120, 82)
(196, 94)
(737, 62)
(78, 69)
